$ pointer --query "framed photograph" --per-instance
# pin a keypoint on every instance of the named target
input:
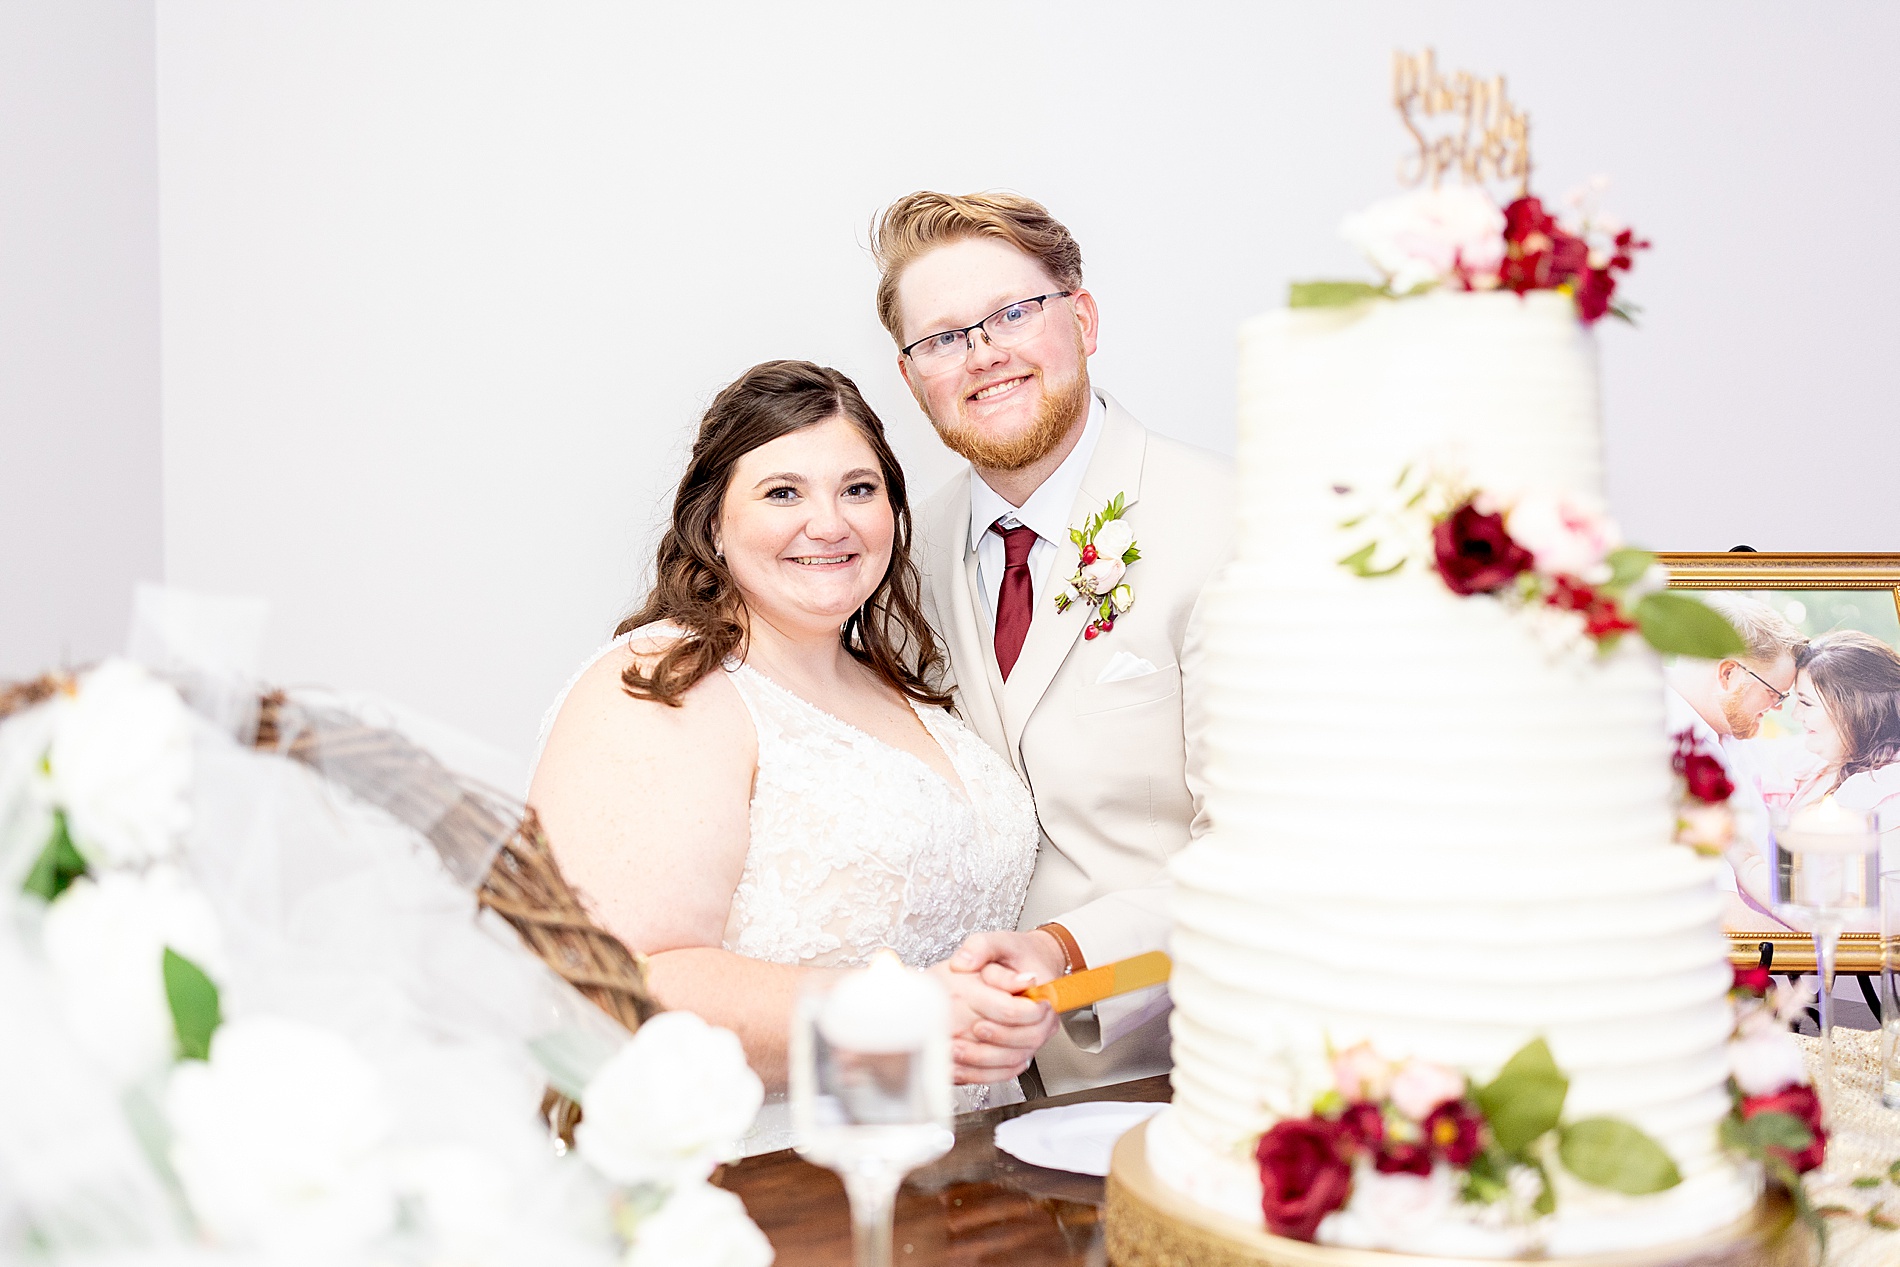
(1811, 711)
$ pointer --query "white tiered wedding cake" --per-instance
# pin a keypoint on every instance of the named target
(1432, 832)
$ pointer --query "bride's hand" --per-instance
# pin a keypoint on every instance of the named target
(994, 1032)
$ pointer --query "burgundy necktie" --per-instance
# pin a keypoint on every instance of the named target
(1013, 605)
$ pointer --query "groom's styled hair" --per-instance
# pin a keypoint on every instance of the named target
(922, 221)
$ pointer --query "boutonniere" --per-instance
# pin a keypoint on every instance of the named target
(1108, 547)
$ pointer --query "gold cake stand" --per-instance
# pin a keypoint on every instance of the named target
(1151, 1225)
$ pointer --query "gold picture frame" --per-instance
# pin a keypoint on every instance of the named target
(1764, 570)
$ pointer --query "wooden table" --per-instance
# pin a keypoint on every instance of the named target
(974, 1205)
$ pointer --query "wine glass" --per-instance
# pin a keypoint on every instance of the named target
(870, 1087)
(1832, 855)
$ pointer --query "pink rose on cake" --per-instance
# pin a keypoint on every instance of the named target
(1421, 1087)
(1430, 236)
(1360, 1073)
(1567, 534)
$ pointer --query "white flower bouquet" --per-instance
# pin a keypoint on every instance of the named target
(256, 1008)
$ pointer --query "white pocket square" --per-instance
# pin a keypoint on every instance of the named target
(1123, 666)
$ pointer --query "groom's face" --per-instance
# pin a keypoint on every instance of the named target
(999, 407)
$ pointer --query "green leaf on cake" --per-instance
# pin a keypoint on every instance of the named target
(1627, 567)
(1867, 1181)
(1676, 624)
(1777, 1130)
(1546, 1202)
(1615, 1155)
(1526, 1099)
(58, 865)
(194, 1003)
(1359, 562)
(1332, 294)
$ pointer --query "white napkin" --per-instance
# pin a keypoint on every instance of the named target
(1075, 1137)
(1122, 666)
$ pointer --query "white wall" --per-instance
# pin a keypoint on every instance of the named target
(79, 424)
(448, 284)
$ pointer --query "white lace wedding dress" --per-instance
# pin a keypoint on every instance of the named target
(858, 845)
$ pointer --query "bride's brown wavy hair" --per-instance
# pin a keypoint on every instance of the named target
(694, 590)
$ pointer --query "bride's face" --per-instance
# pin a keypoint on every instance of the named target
(1822, 738)
(806, 527)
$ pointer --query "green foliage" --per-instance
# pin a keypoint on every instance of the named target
(1526, 1099)
(1359, 562)
(1867, 1181)
(194, 1003)
(1485, 1178)
(1546, 1202)
(1676, 624)
(1627, 567)
(1893, 1172)
(1616, 1155)
(1774, 1130)
(58, 865)
(1332, 294)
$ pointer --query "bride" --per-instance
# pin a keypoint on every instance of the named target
(755, 780)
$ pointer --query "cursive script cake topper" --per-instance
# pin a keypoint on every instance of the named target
(1489, 137)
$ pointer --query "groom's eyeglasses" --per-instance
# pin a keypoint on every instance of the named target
(1005, 328)
(1781, 697)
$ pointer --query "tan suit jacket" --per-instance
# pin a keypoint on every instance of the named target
(1107, 762)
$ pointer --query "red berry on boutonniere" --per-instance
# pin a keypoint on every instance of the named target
(1088, 554)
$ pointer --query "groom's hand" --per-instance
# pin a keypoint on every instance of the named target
(995, 1032)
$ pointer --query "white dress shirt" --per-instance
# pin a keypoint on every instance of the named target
(1046, 511)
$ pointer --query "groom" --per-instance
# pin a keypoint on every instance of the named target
(984, 297)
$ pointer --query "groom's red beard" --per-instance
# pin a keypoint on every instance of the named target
(1059, 411)
(1742, 722)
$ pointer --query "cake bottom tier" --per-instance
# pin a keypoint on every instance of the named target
(1151, 1223)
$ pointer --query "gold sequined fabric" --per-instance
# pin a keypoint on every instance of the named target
(1863, 1142)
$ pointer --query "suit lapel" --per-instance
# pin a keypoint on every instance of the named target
(954, 581)
(1114, 468)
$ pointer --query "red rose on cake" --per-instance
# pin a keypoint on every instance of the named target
(1304, 1175)
(1803, 1105)
(1473, 552)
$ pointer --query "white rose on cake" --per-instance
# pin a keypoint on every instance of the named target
(1765, 1061)
(120, 765)
(278, 1139)
(105, 939)
(699, 1226)
(670, 1105)
(1387, 1211)
(1427, 235)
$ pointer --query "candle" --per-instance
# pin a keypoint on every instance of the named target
(885, 1008)
(1827, 827)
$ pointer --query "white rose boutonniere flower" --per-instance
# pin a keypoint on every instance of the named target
(1107, 548)
(120, 766)
(699, 1226)
(278, 1138)
(670, 1105)
(105, 939)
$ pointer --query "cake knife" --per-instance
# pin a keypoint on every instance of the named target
(1092, 985)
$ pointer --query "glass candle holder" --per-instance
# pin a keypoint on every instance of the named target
(1832, 855)
(870, 1087)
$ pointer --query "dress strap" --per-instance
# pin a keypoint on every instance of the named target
(659, 629)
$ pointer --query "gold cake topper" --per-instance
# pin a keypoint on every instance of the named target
(1489, 139)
